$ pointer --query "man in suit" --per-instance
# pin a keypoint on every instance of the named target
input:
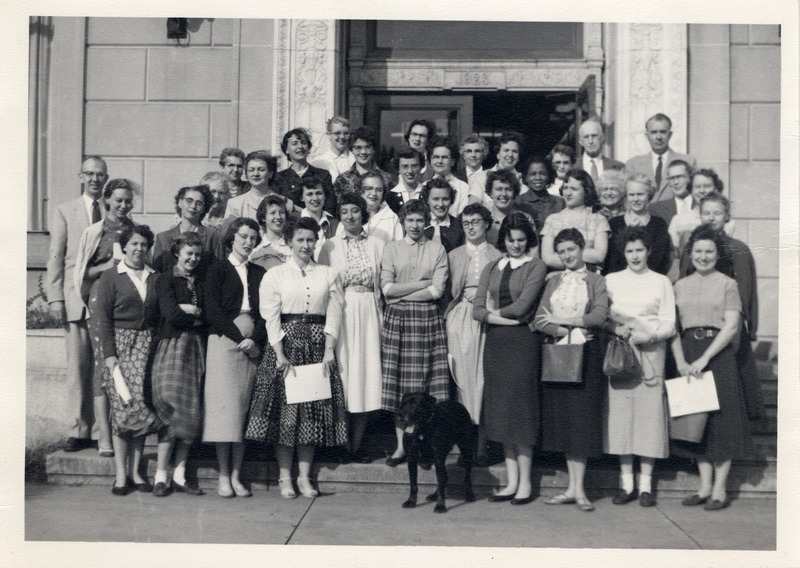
(678, 174)
(69, 222)
(409, 165)
(658, 130)
(591, 139)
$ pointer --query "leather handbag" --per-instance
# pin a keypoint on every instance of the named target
(562, 363)
(620, 360)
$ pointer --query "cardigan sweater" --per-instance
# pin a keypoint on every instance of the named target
(173, 289)
(596, 308)
(223, 292)
(525, 286)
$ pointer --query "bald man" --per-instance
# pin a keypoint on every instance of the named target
(591, 139)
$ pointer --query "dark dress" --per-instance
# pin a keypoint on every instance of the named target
(660, 257)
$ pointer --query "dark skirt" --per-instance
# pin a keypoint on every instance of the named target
(413, 353)
(315, 423)
(727, 433)
(572, 413)
(511, 364)
(178, 371)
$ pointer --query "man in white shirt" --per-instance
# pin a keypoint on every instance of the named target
(337, 159)
(409, 165)
(658, 130)
(442, 157)
(678, 174)
(474, 150)
(591, 139)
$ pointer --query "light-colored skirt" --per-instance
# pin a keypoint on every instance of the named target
(465, 340)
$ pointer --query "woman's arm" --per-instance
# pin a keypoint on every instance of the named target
(438, 279)
(479, 310)
(333, 311)
(105, 294)
(598, 303)
(549, 255)
(216, 285)
(665, 324)
(171, 310)
(596, 254)
(542, 321)
(521, 308)
(730, 330)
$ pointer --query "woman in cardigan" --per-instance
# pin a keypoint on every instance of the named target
(572, 412)
(126, 307)
(465, 335)
(511, 353)
(235, 335)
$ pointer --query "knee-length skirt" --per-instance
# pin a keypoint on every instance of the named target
(413, 353)
(178, 371)
(465, 343)
(315, 423)
(358, 351)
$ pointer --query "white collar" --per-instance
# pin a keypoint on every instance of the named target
(514, 262)
(422, 240)
(325, 216)
(401, 188)
(296, 268)
(472, 249)
(236, 263)
(445, 223)
(123, 268)
(636, 220)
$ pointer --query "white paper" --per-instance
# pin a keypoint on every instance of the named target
(306, 383)
(575, 337)
(698, 394)
(120, 385)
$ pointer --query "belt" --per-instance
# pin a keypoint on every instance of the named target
(700, 332)
(356, 288)
(302, 318)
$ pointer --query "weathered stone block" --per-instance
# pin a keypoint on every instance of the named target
(115, 74)
(197, 74)
(765, 132)
(755, 74)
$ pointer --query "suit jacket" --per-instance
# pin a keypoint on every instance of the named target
(666, 209)
(452, 236)
(69, 222)
(608, 164)
(643, 164)
(223, 300)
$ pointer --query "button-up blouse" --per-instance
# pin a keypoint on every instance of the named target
(409, 261)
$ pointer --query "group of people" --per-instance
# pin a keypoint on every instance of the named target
(433, 275)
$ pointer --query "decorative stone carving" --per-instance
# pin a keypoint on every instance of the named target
(476, 79)
(547, 78)
(280, 122)
(310, 63)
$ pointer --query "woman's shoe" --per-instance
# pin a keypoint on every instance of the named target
(241, 490)
(187, 488)
(162, 489)
(694, 500)
(394, 462)
(106, 452)
(120, 491)
(584, 504)
(646, 499)
(287, 490)
(559, 499)
(500, 498)
(522, 501)
(225, 493)
(306, 489)
(624, 497)
(717, 505)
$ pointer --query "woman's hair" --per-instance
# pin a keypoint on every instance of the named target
(643, 179)
(444, 142)
(705, 172)
(704, 232)
(230, 152)
(415, 206)
(364, 133)
(234, 227)
(203, 190)
(426, 123)
(372, 174)
(475, 139)
(271, 199)
(263, 156)
(187, 239)
(562, 149)
(307, 223)
(117, 183)
(130, 230)
(437, 183)
(506, 176)
(301, 133)
(477, 209)
(548, 166)
(519, 222)
(632, 234)
(337, 120)
(408, 154)
(572, 235)
(718, 198)
(510, 137)
(612, 177)
(589, 192)
(214, 176)
(350, 198)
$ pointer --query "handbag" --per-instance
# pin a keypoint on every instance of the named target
(689, 427)
(620, 360)
(562, 363)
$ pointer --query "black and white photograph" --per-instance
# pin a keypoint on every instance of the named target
(468, 284)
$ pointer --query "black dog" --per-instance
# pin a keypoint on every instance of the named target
(431, 429)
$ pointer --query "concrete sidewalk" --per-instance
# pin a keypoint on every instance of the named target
(92, 514)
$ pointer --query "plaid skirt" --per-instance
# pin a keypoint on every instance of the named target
(135, 355)
(413, 353)
(316, 423)
(178, 370)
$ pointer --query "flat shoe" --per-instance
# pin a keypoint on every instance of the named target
(119, 491)
(226, 494)
(585, 505)
(394, 462)
(522, 501)
(624, 497)
(242, 491)
(106, 453)
(694, 500)
(646, 499)
(187, 488)
(500, 498)
(306, 489)
(717, 505)
(161, 489)
(559, 499)
(140, 487)
(287, 490)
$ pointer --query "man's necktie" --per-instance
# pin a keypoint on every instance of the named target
(658, 173)
(594, 170)
(95, 212)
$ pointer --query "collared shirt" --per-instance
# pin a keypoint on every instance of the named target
(462, 194)
(140, 284)
(514, 262)
(665, 159)
(323, 223)
(407, 195)
(437, 228)
(407, 260)
(336, 165)
(88, 202)
(633, 220)
(241, 270)
(598, 163)
(683, 204)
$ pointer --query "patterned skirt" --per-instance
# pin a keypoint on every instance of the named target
(413, 353)
(135, 355)
(315, 423)
(178, 371)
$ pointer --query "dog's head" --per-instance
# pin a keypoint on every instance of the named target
(416, 409)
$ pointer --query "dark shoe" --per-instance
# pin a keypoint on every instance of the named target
(120, 491)
(481, 461)
(145, 487)
(360, 456)
(646, 499)
(717, 505)
(426, 465)
(522, 501)
(187, 488)
(624, 497)
(161, 489)
(106, 453)
(694, 500)
(394, 462)
(500, 498)
(75, 444)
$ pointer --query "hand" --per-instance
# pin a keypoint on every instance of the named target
(59, 312)
(696, 368)
(190, 309)
(246, 346)
(683, 367)
(623, 331)
(111, 362)
(283, 365)
(327, 362)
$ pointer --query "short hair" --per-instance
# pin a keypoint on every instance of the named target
(475, 139)
(130, 230)
(517, 221)
(444, 142)
(364, 133)
(301, 133)
(589, 192)
(643, 179)
(421, 121)
(705, 172)
(562, 149)
(477, 209)
(373, 174)
(307, 223)
(548, 166)
(506, 176)
(614, 177)
(310, 182)
(718, 198)
(661, 117)
(508, 136)
(187, 239)
(96, 158)
(263, 156)
(203, 190)
(235, 152)
(116, 183)
(632, 234)
(215, 176)
(592, 120)
(414, 206)
(437, 183)
(350, 198)
(572, 235)
(337, 120)
(409, 154)
(271, 199)
(704, 232)
(683, 163)
(234, 227)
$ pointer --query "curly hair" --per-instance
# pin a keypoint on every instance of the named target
(477, 209)
(706, 233)
(437, 183)
(234, 228)
(350, 198)
(187, 239)
(517, 221)
(415, 206)
(505, 176)
(204, 190)
(705, 172)
(590, 198)
(129, 231)
(307, 223)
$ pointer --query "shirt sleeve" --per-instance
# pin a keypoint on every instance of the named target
(55, 261)
(270, 305)
(440, 273)
(387, 269)
(333, 312)
(732, 299)
(105, 294)
(596, 316)
(521, 308)
(546, 306)
(666, 312)
(479, 310)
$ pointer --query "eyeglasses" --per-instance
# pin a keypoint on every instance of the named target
(474, 223)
